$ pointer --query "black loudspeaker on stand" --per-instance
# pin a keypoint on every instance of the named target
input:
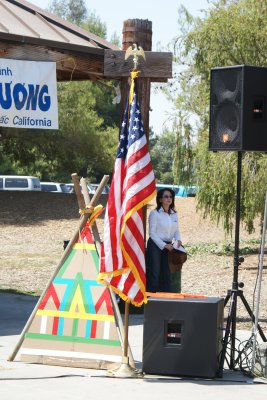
(238, 109)
(237, 122)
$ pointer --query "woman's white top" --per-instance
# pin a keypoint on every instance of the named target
(163, 227)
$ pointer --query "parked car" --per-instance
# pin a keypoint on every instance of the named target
(91, 188)
(94, 186)
(19, 182)
(70, 187)
(54, 187)
(179, 190)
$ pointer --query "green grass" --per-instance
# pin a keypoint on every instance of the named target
(17, 291)
(224, 248)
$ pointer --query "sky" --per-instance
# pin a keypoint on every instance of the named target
(163, 14)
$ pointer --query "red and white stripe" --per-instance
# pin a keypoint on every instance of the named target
(122, 263)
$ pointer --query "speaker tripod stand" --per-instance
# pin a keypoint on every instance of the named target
(235, 292)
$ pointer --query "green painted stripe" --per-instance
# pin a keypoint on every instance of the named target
(75, 327)
(66, 263)
(96, 260)
(104, 342)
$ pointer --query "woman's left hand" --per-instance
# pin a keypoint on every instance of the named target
(169, 247)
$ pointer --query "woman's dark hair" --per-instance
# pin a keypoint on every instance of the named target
(160, 196)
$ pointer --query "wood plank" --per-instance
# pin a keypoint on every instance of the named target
(156, 66)
(70, 65)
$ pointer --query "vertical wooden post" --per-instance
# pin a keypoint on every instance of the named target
(138, 31)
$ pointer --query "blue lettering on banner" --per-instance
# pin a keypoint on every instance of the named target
(5, 72)
(44, 101)
(31, 122)
(19, 95)
(4, 119)
(29, 97)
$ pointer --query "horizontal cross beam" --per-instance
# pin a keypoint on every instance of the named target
(157, 66)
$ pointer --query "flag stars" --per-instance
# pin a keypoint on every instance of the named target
(130, 173)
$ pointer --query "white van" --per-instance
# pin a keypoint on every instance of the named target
(19, 182)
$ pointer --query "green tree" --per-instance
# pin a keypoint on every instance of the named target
(115, 39)
(232, 32)
(88, 125)
(94, 25)
(85, 142)
(76, 12)
(162, 152)
(71, 10)
(183, 154)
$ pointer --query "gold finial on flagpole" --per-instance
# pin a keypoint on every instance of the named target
(135, 52)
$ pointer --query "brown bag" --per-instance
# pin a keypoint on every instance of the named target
(176, 260)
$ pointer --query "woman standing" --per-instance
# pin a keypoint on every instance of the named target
(163, 229)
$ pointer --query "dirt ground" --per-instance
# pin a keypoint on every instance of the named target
(34, 226)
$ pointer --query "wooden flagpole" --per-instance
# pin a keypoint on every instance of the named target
(133, 34)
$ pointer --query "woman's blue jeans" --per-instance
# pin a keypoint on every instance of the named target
(158, 272)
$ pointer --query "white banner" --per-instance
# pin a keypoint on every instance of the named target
(28, 94)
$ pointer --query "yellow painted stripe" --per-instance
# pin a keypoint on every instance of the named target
(77, 301)
(84, 246)
(76, 315)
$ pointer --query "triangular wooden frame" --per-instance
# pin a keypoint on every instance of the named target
(76, 321)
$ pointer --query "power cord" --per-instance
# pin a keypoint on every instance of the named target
(244, 362)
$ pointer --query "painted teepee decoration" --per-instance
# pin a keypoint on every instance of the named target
(74, 322)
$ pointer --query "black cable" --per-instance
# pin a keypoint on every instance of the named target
(43, 377)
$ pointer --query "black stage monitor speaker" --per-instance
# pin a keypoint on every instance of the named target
(238, 118)
(182, 337)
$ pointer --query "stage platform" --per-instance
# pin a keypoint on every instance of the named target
(21, 381)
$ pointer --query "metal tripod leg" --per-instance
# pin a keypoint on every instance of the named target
(227, 297)
(229, 324)
(234, 292)
(232, 296)
(244, 301)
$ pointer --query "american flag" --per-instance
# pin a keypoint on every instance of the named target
(122, 264)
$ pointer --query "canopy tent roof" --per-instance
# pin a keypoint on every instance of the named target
(29, 33)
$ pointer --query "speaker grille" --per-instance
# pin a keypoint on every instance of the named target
(227, 123)
(225, 109)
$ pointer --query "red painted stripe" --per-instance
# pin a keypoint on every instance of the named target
(55, 326)
(51, 292)
(104, 298)
(93, 329)
(85, 234)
